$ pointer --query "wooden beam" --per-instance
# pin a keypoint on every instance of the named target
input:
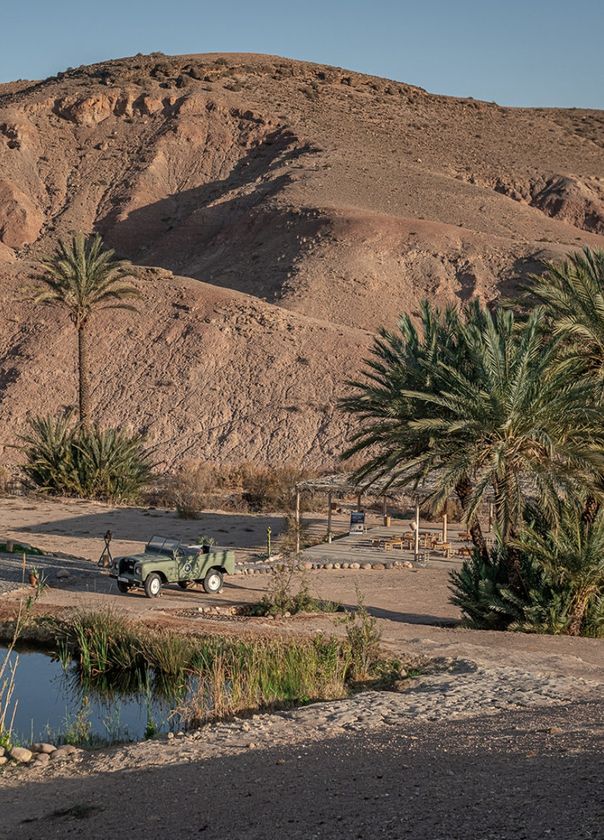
(444, 527)
(329, 497)
(297, 522)
(416, 552)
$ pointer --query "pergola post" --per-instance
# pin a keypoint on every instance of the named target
(297, 521)
(359, 501)
(490, 517)
(416, 552)
(444, 527)
(329, 497)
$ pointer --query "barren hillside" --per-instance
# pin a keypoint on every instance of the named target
(283, 209)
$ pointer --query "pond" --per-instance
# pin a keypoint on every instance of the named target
(54, 703)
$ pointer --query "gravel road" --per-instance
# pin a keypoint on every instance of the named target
(514, 776)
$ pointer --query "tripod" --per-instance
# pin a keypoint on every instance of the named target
(106, 559)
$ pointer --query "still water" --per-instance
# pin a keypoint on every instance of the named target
(53, 704)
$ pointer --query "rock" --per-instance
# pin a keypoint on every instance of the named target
(2, 751)
(20, 218)
(62, 753)
(170, 736)
(42, 759)
(3, 760)
(43, 748)
(21, 755)
(252, 745)
(307, 566)
(180, 734)
(336, 565)
(328, 565)
(354, 566)
(378, 566)
(62, 574)
(365, 565)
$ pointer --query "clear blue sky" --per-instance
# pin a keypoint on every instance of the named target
(516, 52)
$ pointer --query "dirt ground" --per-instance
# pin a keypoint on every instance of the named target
(530, 775)
(412, 605)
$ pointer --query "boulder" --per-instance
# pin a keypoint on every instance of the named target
(21, 755)
(43, 748)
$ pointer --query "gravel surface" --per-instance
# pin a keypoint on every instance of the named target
(510, 776)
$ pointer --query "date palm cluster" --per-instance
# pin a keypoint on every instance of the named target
(494, 404)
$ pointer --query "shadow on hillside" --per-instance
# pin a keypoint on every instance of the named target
(226, 232)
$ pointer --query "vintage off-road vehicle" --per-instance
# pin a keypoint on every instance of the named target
(170, 561)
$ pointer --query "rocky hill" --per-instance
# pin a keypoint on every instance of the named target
(278, 212)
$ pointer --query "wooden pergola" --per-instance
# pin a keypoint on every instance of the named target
(343, 484)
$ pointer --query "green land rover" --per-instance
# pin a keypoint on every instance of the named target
(169, 561)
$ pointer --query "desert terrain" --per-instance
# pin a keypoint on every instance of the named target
(276, 213)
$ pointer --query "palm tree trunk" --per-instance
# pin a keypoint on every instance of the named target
(83, 386)
(464, 491)
(578, 614)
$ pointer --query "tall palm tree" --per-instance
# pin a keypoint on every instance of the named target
(573, 295)
(497, 416)
(84, 277)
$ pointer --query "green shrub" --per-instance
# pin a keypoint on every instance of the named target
(64, 458)
(562, 581)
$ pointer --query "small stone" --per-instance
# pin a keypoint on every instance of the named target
(2, 751)
(328, 565)
(365, 565)
(555, 730)
(336, 565)
(62, 574)
(252, 745)
(21, 755)
(355, 566)
(378, 566)
(170, 736)
(43, 748)
(42, 759)
(3, 760)
(307, 566)
(180, 734)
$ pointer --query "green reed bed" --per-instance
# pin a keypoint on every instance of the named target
(221, 676)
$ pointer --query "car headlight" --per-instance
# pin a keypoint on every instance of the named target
(137, 569)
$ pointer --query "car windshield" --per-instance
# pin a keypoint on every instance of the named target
(163, 545)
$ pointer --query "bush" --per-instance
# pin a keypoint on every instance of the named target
(289, 592)
(562, 576)
(199, 486)
(64, 458)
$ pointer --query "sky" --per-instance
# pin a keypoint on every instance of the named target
(514, 52)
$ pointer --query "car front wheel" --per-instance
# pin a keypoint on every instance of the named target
(152, 585)
(123, 587)
(213, 581)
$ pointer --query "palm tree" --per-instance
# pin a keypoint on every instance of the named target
(573, 295)
(572, 558)
(83, 277)
(402, 361)
(495, 416)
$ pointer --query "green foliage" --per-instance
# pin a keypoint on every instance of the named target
(364, 640)
(573, 295)
(477, 400)
(83, 276)
(289, 592)
(562, 574)
(64, 458)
